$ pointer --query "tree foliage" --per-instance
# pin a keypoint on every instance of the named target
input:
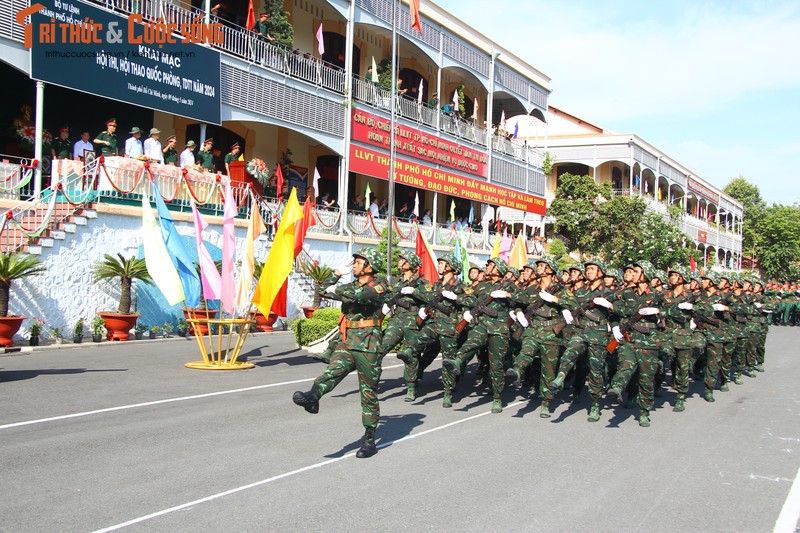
(779, 232)
(754, 207)
(575, 209)
(278, 24)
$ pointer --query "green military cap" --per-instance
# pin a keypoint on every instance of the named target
(550, 261)
(452, 260)
(514, 271)
(412, 259)
(599, 263)
(500, 265)
(372, 257)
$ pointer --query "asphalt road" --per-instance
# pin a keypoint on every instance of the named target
(108, 436)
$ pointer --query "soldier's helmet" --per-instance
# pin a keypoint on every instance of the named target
(648, 269)
(412, 259)
(730, 276)
(514, 271)
(550, 261)
(758, 281)
(531, 264)
(683, 272)
(372, 257)
(711, 276)
(660, 274)
(599, 263)
(579, 267)
(500, 265)
(452, 260)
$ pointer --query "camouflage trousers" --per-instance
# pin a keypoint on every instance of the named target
(726, 360)
(645, 360)
(683, 368)
(739, 355)
(715, 365)
(496, 343)
(367, 364)
(423, 345)
(396, 333)
(532, 348)
(579, 348)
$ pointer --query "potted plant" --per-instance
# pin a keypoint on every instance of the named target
(16, 265)
(321, 275)
(56, 332)
(139, 330)
(183, 327)
(98, 325)
(120, 323)
(155, 331)
(36, 329)
(201, 311)
(77, 332)
(263, 323)
(168, 329)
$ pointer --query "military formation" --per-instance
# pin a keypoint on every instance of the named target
(613, 332)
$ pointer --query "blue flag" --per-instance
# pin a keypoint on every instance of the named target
(189, 278)
(516, 129)
(637, 181)
(471, 214)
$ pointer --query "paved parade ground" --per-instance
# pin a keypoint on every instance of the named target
(101, 437)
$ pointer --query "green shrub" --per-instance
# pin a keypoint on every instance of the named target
(307, 330)
(328, 314)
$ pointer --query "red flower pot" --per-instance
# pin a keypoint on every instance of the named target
(119, 325)
(264, 323)
(308, 311)
(9, 325)
(199, 313)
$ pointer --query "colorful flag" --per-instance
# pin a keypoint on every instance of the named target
(254, 228)
(367, 195)
(320, 41)
(175, 247)
(505, 245)
(519, 254)
(416, 21)
(156, 257)
(209, 275)
(427, 257)
(496, 247)
(281, 257)
(460, 251)
(228, 251)
(316, 182)
(456, 102)
(516, 129)
(374, 71)
(503, 120)
(471, 214)
(452, 210)
(416, 204)
(251, 16)
(301, 228)
(692, 263)
(419, 91)
(475, 111)
(637, 181)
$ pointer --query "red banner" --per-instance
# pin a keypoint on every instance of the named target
(376, 164)
(702, 236)
(374, 130)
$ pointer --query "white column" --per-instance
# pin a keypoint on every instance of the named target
(344, 162)
(202, 136)
(37, 146)
(489, 107)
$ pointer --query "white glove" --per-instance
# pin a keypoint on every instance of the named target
(499, 294)
(648, 311)
(512, 315)
(617, 334)
(522, 320)
(407, 290)
(468, 316)
(767, 312)
(344, 269)
(567, 316)
(686, 306)
(386, 310)
(602, 302)
(546, 296)
(720, 307)
(759, 305)
(692, 325)
(450, 295)
(422, 314)
(331, 289)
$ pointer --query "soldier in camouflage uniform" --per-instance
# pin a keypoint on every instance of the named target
(743, 310)
(361, 335)
(637, 311)
(712, 316)
(542, 324)
(404, 300)
(590, 309)
(491, 303)
(732, 327)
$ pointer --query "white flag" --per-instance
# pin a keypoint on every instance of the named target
(416, 205)
(316, 182)
(419, 92)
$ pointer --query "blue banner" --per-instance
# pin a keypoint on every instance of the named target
(158, 65)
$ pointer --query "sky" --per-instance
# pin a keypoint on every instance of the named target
(713, 84)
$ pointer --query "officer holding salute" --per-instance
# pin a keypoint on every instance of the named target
(360, 327)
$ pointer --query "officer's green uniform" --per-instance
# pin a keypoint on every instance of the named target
(62, 148)
(171, 155)
(206, 160)
(107, 149)
(713, 324)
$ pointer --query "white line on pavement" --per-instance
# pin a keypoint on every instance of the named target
(157, 402)
(790, 513)
(287, 474)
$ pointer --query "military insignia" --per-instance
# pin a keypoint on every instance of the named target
(379, 289)
(429, 288)
(468, 290)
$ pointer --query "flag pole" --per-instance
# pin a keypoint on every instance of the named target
(392, 151)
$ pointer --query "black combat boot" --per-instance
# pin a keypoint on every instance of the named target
(307, 400)
(368, 448)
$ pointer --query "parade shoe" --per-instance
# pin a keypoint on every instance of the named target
(615, 395)
(307, 401)
(404, 357)
(558, 383)
(368, 448)
(750, 372)
(644, 419)
(544, 410)
(709, 396)
(532, 392)
(447, 402)
(411, 393)
(497, 405)
(594, 413)
(513, 373)
(453, 365)
(738, 379)
(759, 367)
(679, 404)
(724, 387)
(632, 402)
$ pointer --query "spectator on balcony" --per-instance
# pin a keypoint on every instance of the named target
(82, 146)
(374, 210)
(357, 204)
(434, 101)
(205, 157)
(427, 220)
(447, 109)
(187, 156)
(403, 212)
(234, 155)
(170, 154)
(133, 145)
(152, 147)
(325, 202)
(261, 28)
(400, 89)
(60, 147)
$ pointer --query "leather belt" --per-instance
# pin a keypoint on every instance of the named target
(345, 324)
(548, 323)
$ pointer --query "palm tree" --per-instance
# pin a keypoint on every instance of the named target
(126, 270)
(16, 265)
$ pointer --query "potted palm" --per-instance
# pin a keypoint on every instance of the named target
(16, 265)
(321, 275)
(125, 270)
(263, 323)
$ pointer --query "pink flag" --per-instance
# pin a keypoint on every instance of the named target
(419, 92)
(505, 245)
(320, 43)
(228, 251)
(316, 182)
(475, 111)
(456, 102)
(209, 275)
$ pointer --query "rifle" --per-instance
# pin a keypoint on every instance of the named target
(625, 328)
(554, 287)
(587, 305)
(479, 310)
(437, 305)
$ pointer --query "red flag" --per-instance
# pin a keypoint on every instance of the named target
(279, 303)
(301, 227)
(416, 21)
(279, 174)
(427, 258)
(251, 16)
(692, 263)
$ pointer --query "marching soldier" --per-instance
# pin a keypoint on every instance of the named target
(712, 315)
